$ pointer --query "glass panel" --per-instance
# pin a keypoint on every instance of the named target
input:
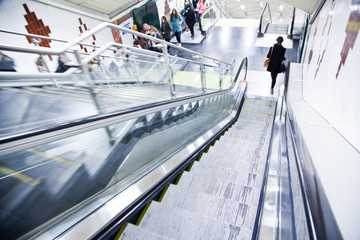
(209, 18)
(265, 19)
(186, 77)
(42, 182)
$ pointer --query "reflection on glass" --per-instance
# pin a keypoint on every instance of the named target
(42, 182)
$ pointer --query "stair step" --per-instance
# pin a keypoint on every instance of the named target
(219, 188)
(133, 232)
(179, 224)
(238, 176)
(226, 210)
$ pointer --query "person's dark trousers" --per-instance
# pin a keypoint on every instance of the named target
(273, 78)
(191, 26)
(178, 36)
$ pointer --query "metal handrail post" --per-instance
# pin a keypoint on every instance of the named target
(220, 77)
(167, 66)
(202, 75)
(93, 93)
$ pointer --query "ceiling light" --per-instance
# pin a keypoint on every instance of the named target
(281, 7)
(242, 6)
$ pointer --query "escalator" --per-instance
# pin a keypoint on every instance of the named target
(219, 197)
(83, 141)
(171, 148)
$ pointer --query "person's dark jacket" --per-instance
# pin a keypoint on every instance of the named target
(61, 67)
(166, 29)
(190, 17)
(276, 59)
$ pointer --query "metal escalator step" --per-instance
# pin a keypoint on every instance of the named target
(133, 232)
(217, 187)
(214, 207)
(240, 176)
(183, 225)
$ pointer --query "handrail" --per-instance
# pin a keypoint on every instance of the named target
(94, 30)
(308, 213)
(25, 140)
(44, 37)
(137, 194)
(267, 6)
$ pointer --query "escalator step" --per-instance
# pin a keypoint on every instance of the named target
(218, 187)
(210, 206)
(179, 224)
(133, 232)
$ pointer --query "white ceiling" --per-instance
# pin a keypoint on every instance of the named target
(108, 7)
(281, 10)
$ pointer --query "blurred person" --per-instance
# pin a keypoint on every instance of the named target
(165, 29)
(137, 44)
(41, 66)
(277, 56)
(187, 3)
(190, 19)
(62, 61)
(6, 63)
(175, 23)
(145, 43)
(154, 33)
(201, 6)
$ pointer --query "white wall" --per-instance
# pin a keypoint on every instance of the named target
(63, 25)
(334, 94)
(336, 98)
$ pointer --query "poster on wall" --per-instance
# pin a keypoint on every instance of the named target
(330, 65)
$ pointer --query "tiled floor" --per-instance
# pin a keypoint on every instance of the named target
(236, 39)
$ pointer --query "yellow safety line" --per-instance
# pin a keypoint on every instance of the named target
(77, 96)
(122, 229)
(102, 94)
(258, 112)
(39, 94)
(164, 192)
(178, 178)
(19, 176)
(143, 213)
(262, 104)
(43, 154)
(216, 106)
(74, 90)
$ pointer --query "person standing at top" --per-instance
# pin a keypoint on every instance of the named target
(175, 23)
(165, 29)
(186, 3)
(201, 6)
(277, 56)
(190, 19)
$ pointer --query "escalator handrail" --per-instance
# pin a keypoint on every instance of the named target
(118, 210)
(267, 6)
(27, 139)
(94, 30)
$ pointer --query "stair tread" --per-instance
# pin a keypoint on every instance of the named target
(218, 187)
(133, 232)
(229, 211)
(186, 225)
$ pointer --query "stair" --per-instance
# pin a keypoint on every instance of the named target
(218, 197)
